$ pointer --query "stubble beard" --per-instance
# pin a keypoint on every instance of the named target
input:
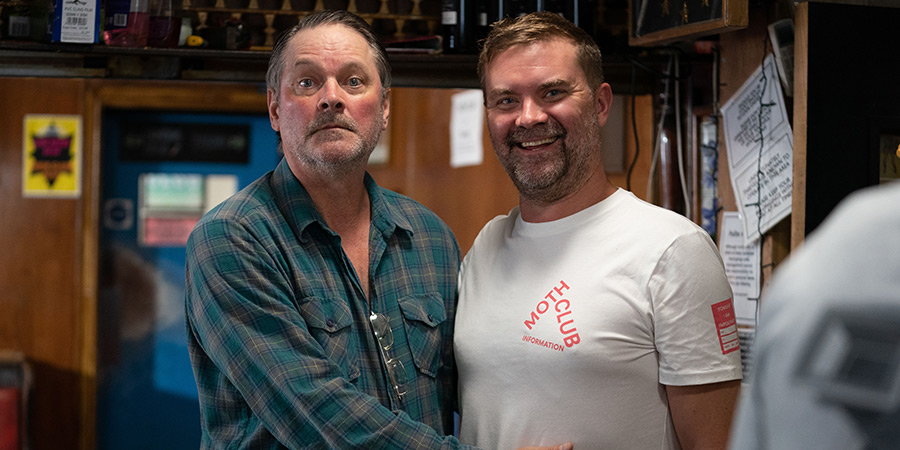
(549, 177)
(338, 164)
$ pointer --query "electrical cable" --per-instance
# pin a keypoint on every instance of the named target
(761, 129)
(642, 12)
(666, 76)
(716, 206)
(761, 430)
(637, 147)
(716, 85)
(678, 143)
(658, 74)
(664, 109)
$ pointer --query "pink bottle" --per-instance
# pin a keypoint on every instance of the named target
(135, 29)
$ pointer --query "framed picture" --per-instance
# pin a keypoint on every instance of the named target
(884, 149)
(889, 157)
(656, 22)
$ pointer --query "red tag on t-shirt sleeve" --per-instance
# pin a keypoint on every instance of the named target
(726, 325)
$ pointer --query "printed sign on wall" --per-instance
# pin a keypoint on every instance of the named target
(51, 160)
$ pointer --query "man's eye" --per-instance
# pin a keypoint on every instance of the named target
(305, 83)
(505, 101)
(354, 82)
(553, 93)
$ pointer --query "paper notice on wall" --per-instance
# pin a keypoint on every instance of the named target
(741, 267)
(760, 145)
(217, 188)
(466, 125)
(172, 191)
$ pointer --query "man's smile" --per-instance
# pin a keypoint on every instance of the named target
(533, 145)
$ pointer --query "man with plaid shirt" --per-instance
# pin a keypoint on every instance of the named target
(320, 305)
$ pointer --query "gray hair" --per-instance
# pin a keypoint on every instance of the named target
(327, 17)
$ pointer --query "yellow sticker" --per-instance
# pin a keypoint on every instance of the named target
(51, 160)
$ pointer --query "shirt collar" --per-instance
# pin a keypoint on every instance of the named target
(298, 208)
(386, 216)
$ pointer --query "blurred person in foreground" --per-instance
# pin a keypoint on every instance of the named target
(825, 369)
(585, 314)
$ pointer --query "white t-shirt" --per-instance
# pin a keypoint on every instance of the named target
(568, 330)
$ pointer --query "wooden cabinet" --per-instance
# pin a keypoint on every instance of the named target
(846, 97)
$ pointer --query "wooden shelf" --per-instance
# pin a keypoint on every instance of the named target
(98, 61)
(32, 59)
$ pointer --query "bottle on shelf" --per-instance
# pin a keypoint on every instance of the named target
(185, 31)
(127, 30)
(161, 31)
(482, 22)
(456, 25)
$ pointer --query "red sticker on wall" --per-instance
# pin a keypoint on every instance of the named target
(726, 325)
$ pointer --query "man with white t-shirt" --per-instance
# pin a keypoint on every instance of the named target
(585, 314)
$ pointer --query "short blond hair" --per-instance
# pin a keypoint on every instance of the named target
(542, 26)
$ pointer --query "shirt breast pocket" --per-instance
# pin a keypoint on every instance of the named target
(422, 316)
(329, 321)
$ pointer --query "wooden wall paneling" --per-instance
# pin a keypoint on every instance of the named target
(89, 237)
(466, 197)
(391, 175)
(801, 81)
(41, 276)
(181, 96)
(641, 173)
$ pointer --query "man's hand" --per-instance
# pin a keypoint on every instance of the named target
(566, 446)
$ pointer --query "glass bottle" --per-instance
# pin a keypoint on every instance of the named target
(130, 30)
(161, 31)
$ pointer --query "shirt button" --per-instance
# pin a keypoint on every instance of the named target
(329, 323)
(430, 319)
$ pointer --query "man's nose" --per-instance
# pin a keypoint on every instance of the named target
(531, 114)
(332, 96)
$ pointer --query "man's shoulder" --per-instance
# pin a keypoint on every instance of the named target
(642, 216)
(248, 200)
(493, 233)
(419, 216)
(252, 204)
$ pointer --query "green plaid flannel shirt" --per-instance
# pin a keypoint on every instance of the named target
(278, 330)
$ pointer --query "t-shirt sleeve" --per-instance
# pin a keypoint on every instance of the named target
(694, 328)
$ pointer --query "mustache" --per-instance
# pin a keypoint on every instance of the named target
(330, 119)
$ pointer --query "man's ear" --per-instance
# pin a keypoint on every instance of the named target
(272, 107)
(603, 98)
(386, 103)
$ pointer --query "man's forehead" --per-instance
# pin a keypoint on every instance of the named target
(541, 50)
(329, 35)
(330, 42)
(537, 64)
(541, 42)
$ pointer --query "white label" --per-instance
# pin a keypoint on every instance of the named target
(19, 26)
(448, 18)
(77, 23)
